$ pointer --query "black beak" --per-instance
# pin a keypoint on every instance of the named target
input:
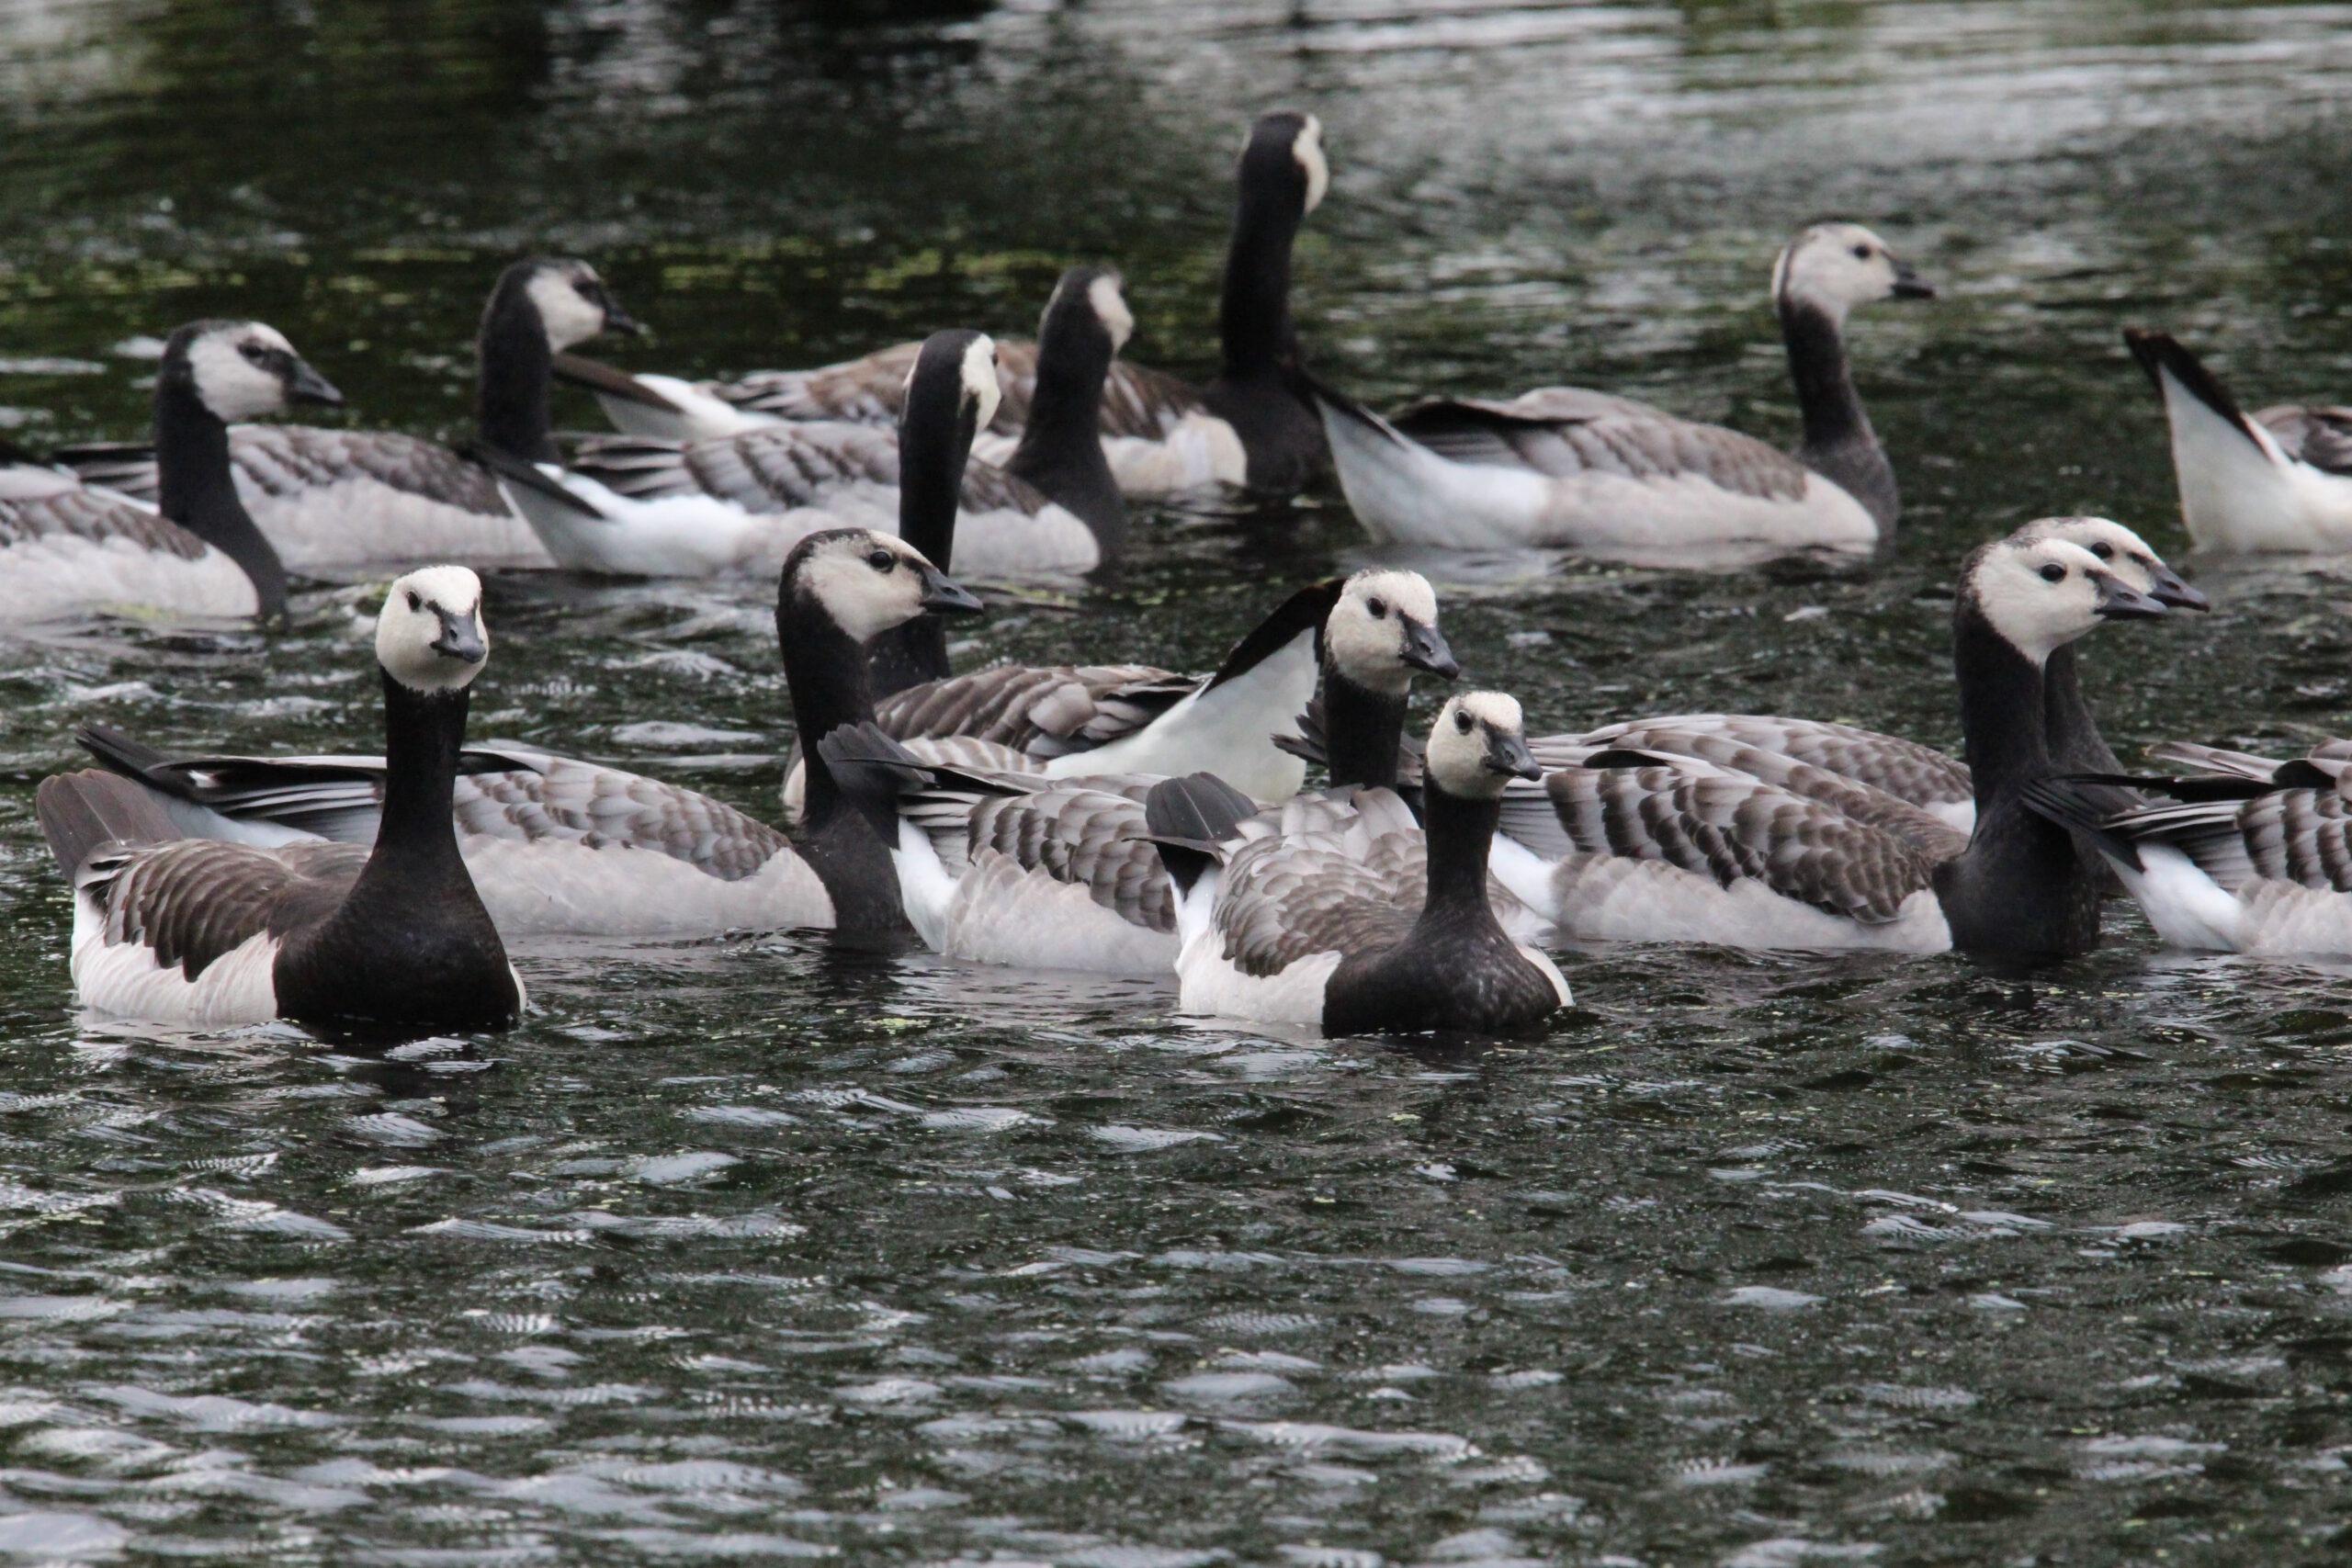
(2118, 603)
(944, 596)
(2171, 591)
(461, 637)
(309, 386)
(1509, 755)
(1425, 649)
(619, 320)
(1909, 285)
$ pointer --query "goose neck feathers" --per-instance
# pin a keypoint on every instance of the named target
(1282, 175)
(1061, 448)
(1822, 274)
(951, 394)
(194, 485)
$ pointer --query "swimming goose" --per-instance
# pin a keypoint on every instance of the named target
(1244, 429)
(333, 501)
(1380, 927)
(1639, 846)
(634, 505)
(2280, 480)
(68, 545)
(1020, 866)
(563, 847)
(1564, 467)
(196, 932)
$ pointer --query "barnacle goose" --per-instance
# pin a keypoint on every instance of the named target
(1243, 429)
(1023, 868)
(563, 847)
(68, 545)
(641, 506)
(1626, 844)
(1377, 927)
(198, 932)
(1564, 467)
(2279, 479)
(336, 500)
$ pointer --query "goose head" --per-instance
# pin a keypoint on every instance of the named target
(240, 369)
(1479, 745)
(429, 636)
(572, 304)
(865, 582)
(954, 375)
(1284, 152)
(2040, 593)
(1087, 304)
(1383, 628)
(1836, 266)
(2125, 554)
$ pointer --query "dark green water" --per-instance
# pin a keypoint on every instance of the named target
(749, 1252)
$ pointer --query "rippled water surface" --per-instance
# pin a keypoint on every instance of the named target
(748, 1251)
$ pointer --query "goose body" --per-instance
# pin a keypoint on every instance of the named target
(1567, 468)
(203, 932)
(1376, 925)
(2277, 480)
(333, 501)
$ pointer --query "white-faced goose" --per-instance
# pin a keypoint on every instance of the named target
(1636, 846)
(1021, 868)
(197, 931)
(1382, 927)
(1244, 429)
(641, 506)
(2279, 479)
(334, 500)
(1562, 466)
(563, 847)
(68, 545)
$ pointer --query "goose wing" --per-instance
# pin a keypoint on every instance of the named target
(1137, 400)
(1083, 836)
(1904, 769)
(1288, 897)
(195, 900)
(126, 467)
(1611, 436)
(40, 503)
(286, 459)
(2301, 836)
(2320, 436)
(1042, 710)
(766, 470)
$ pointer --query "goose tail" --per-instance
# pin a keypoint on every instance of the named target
(1188, 820)
(2081, 805)
(81, 811)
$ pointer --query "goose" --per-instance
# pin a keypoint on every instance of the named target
(1640, 846)
(68, 545)
(563, 847)
(635, 505)
(195, 931)
(1562, 466)
(1244, 429)
(2277, 480)
(333, 502)
(1053, 871)
(1380, 927)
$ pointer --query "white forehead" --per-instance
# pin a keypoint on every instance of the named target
(2034, 614)
(979, 377)
(1408, 591)
(1821, 260)
(1496, 710)
(862, 601)
(453, 588)
(2089, 531)
(567, 315)
(1111, 309)
(406, 631)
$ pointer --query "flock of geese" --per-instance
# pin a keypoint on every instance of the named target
(1122, 819)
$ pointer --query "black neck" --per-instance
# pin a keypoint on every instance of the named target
(2001, 709)
(824, 670)
(1461, 832)
(1362, 731)
(934, 444)
(196, 488)
(417, 844)
(1062, 444)
(511, 396)
(1253, 316)
(2075, 744)
(1838, 441)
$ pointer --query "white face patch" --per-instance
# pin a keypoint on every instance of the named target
(2119, 549)
(863, 598)
(228, 383)
(1366, 631)
(1307, 148)
(1835, 266)
(2039, 594)
(979, 379)
(1457, 751)
(1111, 310)
(440, 604)
(564, 312)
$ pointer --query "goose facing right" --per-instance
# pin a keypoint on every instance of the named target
(1562, 466)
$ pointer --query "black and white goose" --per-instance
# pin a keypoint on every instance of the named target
(336, 500)
(1634, 846)
(1244, 429)
(1056, 871)
(643, 507)
(68, 545)
(2277, 480)
(1562, 466)
(563, 847)
(1378, 928)
(197, 931)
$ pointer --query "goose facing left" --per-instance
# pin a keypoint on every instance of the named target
(197, 931)
(333, 501)
(67, 546)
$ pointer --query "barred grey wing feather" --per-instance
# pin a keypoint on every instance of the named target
(286, 459)
(195, 900)
(79, 513)
(580, 802)
(2321, 437)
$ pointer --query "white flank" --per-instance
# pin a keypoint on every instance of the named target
(124, 980)
(65, 574)
(1227, 730)
(688, 535)
(1200, 453)
(1010, 543)
(1613, 899)
(558, 887)
(2187, 908)
(1004, 914)
(360, 522)
(2246, 494)
(925, 886)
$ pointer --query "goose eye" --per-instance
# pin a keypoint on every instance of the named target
(415, 601)
(881, 560)
(1462, 721)
(1379, 608)
(2053, 572)
(1862, 253)
(2104, 550)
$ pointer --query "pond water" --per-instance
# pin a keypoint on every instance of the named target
(748, 1251)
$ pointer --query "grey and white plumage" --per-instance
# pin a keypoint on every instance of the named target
(1564, 467)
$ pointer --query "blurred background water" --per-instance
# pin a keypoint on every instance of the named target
(750, 1252)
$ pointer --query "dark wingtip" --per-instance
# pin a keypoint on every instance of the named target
(605, 381)
(506, 466)
(1188, 817)
(79, 811)
(2061, 800)
(2161, 355)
